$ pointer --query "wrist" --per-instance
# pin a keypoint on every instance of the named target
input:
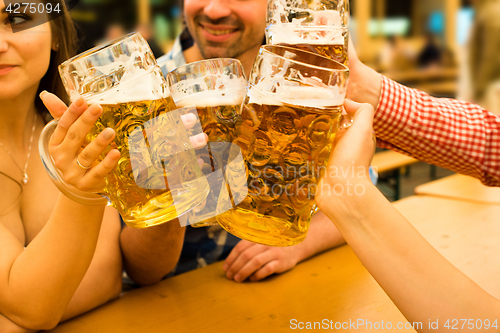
(341, 198)
(365, 85)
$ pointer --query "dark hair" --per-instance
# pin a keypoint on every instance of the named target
(65, 36)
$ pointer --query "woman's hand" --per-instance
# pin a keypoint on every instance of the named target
(77, 160)
(350, 160)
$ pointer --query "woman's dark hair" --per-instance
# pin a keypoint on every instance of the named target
(65, 37)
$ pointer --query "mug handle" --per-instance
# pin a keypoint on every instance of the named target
(346, 120)
(86, 198)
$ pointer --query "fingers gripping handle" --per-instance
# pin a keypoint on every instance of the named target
(86, 198)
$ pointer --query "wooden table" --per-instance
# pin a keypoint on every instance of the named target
(462, 188)
(332, 286)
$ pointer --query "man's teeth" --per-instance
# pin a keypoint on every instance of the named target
(219, 32)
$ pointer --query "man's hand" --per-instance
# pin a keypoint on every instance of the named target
(364, 83)
(255, 261)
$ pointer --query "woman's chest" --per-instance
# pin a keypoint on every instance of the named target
(27, 211)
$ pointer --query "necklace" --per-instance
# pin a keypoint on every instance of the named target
(25, 175)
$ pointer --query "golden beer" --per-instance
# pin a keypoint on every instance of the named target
(152, 167)
(213, 90)
(157, 177)
(285, 149)
(217, 113)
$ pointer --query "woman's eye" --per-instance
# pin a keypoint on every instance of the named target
(17, 19)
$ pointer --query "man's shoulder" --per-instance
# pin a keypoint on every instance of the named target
(173, 59)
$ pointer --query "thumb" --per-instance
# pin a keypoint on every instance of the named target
(361, 113)
(355, 144)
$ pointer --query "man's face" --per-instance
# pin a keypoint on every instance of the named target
(226, 28)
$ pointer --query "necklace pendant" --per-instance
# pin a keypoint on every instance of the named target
(25, 179)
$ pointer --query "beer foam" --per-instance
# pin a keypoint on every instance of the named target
(134, 86)
(279, 15)
(213, 98)
(316, 97)
(318, 35)
(218, 87)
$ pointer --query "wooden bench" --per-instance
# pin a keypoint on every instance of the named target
(391, 164)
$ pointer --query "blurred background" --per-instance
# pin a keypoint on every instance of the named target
(447, 48)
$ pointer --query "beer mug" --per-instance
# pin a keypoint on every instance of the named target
(157, 177)
(291, 113)
(213, 90)
(316, 26)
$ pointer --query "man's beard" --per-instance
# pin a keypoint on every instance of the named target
(210, 49)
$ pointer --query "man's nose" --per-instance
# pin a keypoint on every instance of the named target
(217, 9)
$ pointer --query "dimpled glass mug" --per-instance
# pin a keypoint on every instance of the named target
(318, 26)
(213, 90)
(157, 177)
(291, 113)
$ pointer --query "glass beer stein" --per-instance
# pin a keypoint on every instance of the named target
(213, 90)
(291, 113)
(157, 177)
(319, 26)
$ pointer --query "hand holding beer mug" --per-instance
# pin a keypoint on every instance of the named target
(319, 26)
(157, 177)
(292, 111)
(213, 90)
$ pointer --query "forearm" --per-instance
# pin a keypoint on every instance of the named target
(422, 283)
(151, 253)
(43, 277)
(103, 280)
(7, 326)
(322, 235)
(452, 134)
(94, 292)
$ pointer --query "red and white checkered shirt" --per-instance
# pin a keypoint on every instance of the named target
(448, 133)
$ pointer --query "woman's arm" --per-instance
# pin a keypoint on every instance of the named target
(8, 326)
(151, 253)
(37, 283)
(103, 280)
(422, 283)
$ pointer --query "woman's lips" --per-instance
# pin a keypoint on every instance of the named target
(218, 34)
(6, 69)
